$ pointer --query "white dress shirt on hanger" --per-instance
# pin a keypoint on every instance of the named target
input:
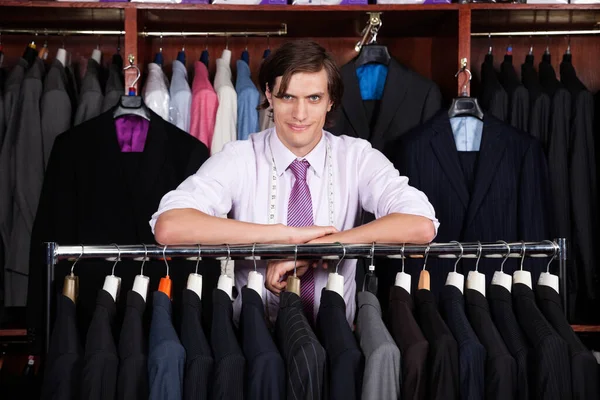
(156, 92)
(181, 97)
(226, 122)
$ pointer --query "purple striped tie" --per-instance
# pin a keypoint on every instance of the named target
(300, 213)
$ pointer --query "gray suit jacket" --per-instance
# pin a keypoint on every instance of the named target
(2, 119)
(381, 380)
(90, 97)
(115, 87)
(56, 107)
(28, 164)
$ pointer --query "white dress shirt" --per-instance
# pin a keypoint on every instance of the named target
(156, 91)
(226, 122)
(181, 97)
(236, 182)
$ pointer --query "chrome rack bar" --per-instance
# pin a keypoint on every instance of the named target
(539, 33)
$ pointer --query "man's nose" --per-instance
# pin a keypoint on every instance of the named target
(300, 111)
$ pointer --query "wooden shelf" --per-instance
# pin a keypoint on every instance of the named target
(586, 328)
(13, 332)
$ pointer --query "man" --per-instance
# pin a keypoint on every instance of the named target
(315, 184)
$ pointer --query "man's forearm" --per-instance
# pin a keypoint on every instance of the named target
(393, 228)
(188, 226)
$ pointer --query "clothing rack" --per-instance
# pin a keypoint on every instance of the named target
(66, 32)
(539, 33)
(556, 249)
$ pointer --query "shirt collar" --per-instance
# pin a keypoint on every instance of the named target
(178, 67)
(284, 157)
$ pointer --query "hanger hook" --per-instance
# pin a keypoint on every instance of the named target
(426, 255)
(77, 259)
(555, 245)
(253, 257)
(228, 258)
(144, 259)
(343, 256)
(268, 42)
(165, 259)
(132, 65)
(403, 256)
(522, 253)
(182, 41)
(295, 258)
(506, 256)
(479, 252)
(466, 71)
(460, 256)
(372, 253)
(199, 258)
(118, 258)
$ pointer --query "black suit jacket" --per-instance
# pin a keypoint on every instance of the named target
(471, 353)
(552, 377)
(230, 364)
(94, 194)
(582, 174)
(492, 96)
(539, 103)
(443, 381)
(411, 342)
(345, 362)
(62, 375)
(501, 307)
(303, 354)
(408, 100)
(265, 367)
(518, 96)
(509, 196)
(99, 375)
(198, 357)
(584, 367)
(132, 382)
(500, 367)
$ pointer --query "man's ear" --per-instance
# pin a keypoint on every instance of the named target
(269, 95)
(330, 106)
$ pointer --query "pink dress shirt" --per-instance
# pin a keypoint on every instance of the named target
(204, 106)
(235, 181)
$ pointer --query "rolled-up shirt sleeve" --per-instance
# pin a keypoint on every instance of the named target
(383, 191)
(209, 190)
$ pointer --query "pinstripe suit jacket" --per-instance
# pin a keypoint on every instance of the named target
(302, 353)
(508, 199)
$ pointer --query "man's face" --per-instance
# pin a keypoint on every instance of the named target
(300, 112)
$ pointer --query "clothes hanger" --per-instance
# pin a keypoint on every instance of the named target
(454, 278)
(245, 55)
(71, 282)
(181, 53)
(132, 104)
(165, 282)
(372, 52)
(112, 283)
(403, 279)
(61, 54)
(158, 57)
(30, 52)
(293, 282)
(225, 282)
(194, 281)
(335, 281)
(370, 284)
(255, 278)
(96, 53)
(267, 51)
(424, 278)
(521, 276)
(546, 278)
(500, 277)
(43, 52)
(475, 279)
(463, 105)
(141, 281)
(204, 57)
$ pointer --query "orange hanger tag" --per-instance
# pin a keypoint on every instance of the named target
(165, 285)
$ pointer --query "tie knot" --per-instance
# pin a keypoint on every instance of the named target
(299, 168)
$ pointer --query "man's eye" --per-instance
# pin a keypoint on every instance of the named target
(286, 97)
(315, 98)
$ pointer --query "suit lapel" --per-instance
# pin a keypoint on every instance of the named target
(394, 93)
(445, 150)
(490, 153)
(352, 102)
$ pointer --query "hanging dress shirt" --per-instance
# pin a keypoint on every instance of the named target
(248, 98)
(132, 381)
(181, 97)
(198, 357)
(90, 96)
(382, 377)
(156, 92)
(237, 182)
(99, 375)
(204, 106)
(166, 360)
(226, 121)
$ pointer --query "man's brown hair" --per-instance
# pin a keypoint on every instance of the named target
(300, 56)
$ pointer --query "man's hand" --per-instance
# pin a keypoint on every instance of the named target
(277, 272)
(305, 234)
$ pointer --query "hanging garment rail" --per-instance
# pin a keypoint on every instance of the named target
(56, 252)
(66, 32)
(539, 33)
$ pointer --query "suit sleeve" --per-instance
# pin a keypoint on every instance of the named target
(433, 103)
